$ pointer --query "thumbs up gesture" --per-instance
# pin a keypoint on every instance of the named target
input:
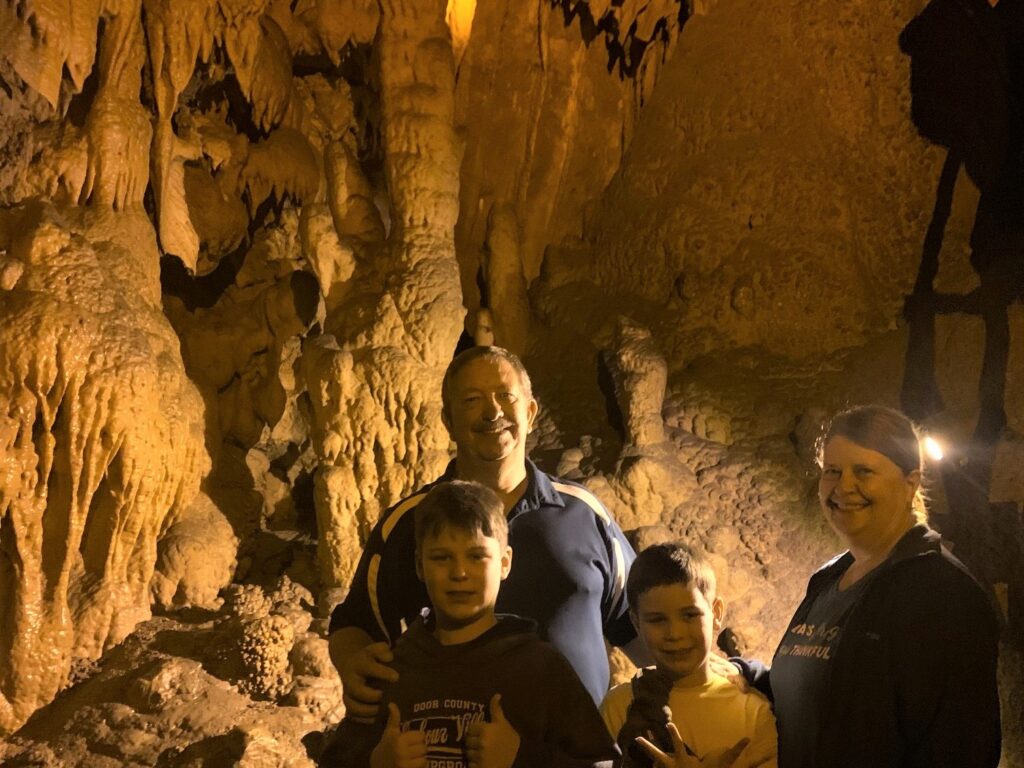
(397, 749)
(494, 744)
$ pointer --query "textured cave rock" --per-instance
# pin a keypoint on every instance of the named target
(102, 436)
(375, 386)
(734, 222)
(231, 688)
(240, 240)
(196, 558)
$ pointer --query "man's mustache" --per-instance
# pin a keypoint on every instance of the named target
(493, 426)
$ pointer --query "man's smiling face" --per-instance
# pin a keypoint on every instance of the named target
(489, 413)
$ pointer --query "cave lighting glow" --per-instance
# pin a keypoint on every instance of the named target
(933, 448)
(459, 16)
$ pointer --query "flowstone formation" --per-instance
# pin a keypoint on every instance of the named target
(288, 174)
(101, 444)
(573, 76)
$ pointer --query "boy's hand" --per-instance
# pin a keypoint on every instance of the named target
(494, 744)
(397, 749)
(362, 700)
(683, 757)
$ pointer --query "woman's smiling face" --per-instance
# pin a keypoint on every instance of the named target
(865, 495)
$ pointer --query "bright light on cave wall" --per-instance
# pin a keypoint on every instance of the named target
(460, 21)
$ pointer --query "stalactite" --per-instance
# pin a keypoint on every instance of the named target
(41, 38)
(177, 34)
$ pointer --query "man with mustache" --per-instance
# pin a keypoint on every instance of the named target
(570, 557)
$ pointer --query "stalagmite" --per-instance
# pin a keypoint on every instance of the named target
(639, 373)
(196, 558)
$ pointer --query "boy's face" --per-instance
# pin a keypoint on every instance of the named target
(462, 571)
(678, 625)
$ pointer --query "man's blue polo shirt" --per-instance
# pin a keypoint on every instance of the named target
(569, 566)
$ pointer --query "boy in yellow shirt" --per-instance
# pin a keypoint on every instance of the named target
(680, 713)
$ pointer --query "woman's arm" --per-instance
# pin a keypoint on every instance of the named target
(756, 673)
(946, 639)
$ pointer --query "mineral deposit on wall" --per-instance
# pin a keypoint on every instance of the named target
(251, 176)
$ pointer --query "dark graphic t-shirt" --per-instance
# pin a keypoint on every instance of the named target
(444, 722)
(800, 671)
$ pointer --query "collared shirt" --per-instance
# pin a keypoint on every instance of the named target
(569, 567)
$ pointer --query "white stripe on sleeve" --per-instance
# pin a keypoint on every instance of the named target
(371, 586)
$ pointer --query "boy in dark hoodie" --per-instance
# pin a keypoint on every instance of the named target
(476, 689)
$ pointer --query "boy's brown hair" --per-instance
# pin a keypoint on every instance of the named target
(669, 563)
(461, 504)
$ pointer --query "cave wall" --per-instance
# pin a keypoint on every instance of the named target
(240, 241)
(228, 266)
(572, 79)
(775, 193)
(800, 217)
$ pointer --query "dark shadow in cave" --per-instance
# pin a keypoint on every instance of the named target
(200, 291)
(920, 396)
(606, 383)
(967, 73)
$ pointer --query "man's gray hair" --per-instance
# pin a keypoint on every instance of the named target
(467, 356)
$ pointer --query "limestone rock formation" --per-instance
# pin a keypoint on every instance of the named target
(508, 306)
(101, 442)
(639, 374)
(160, 699)
(260, 635)
(196, 558)
(726, 254)
(375, 387)
(551, 142)
(234, 349)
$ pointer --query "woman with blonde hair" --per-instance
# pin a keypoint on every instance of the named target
(890, 660)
